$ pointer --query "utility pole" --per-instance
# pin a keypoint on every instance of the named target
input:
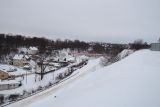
(42, 71)
(42, 67)
(26, 76)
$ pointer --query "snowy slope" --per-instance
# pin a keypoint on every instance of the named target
(131, 82)
(124, 53)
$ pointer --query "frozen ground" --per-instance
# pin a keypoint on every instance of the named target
(131, 82)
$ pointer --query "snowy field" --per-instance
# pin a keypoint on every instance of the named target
(131, 82)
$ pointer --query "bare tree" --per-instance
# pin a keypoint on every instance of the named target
(138, 41)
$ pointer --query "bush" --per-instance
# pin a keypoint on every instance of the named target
(24, 92)
(39, 88)
(13, 97)
(1, 99)
(33, 91)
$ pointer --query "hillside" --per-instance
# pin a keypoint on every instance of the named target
(131, 82)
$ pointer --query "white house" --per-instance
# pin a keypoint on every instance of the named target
(70, 58)
(32, 50)
(23, 50)
(20, 60)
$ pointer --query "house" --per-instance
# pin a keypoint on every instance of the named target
(11, 84)
(155, 47)
(8, 72)
(3, 75)
(23, 50)
(84, 58)
(57, 65)
(27, 67)
(20, 60)
(32, 50)
(70, 58)
(62, 55)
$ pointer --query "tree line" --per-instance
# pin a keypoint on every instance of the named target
(10, 43)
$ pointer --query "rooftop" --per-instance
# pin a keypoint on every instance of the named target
(33, 48)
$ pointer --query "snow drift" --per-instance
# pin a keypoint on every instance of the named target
(124, 53)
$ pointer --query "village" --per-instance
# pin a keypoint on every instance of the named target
(29, 71)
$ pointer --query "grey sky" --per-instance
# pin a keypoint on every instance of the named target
(90, 20)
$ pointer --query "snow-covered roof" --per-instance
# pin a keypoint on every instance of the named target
(9, 82)
(6, 68)
(84, 57)
(50, 68)
(18, 56)
(26, 66)
(23, 49)
(70, 58)
(57, 64)
(33, 48)
(26, 56)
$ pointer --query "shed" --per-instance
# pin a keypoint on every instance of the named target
(33, 50)
(11, 84)
(3, 75)
(155, 46)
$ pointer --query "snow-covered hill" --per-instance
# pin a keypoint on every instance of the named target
(124, 53)
(131, 82)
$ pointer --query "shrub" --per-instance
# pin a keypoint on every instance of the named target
(13, 97)
(1, 99)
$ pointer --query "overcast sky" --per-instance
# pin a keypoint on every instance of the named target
(90, 20)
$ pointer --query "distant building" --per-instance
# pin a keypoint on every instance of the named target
(32, 50)
(155, 46)
(3, 75)
(23, 50)
(70, 58)
(20, 60)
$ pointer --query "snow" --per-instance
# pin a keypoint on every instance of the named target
(33, 48)
(131, 82)
(18, 56)
(124, 53)
(70, 58)
(7, 68)
(83, 57)
(91, 66)
(26, 56)
(8, 82)
(23, 50)
(26, 66)
(32, 63)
